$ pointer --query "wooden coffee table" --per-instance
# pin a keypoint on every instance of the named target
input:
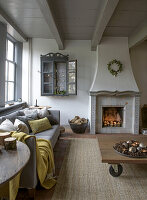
(110, 156)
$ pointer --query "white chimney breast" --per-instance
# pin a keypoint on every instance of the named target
(109, 49)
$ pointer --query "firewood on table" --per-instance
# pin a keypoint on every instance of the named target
(3, 136)
(10, 143)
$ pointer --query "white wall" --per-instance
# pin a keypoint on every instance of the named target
(138, 56)
(114, 48)
(86, 63)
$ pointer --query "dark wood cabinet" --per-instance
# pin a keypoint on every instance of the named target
(58, 75)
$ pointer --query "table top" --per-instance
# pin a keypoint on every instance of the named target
(109, 155)
(11, 162)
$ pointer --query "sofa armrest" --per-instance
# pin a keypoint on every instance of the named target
(55, 114)
(28, 177)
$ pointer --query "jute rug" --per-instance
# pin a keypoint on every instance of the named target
(84, 177)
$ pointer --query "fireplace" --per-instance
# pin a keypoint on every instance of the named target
(112, 116)
(116, 96)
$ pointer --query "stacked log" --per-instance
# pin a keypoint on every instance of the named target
(77, 120)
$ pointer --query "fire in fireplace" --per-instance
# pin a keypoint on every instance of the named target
(112, 117)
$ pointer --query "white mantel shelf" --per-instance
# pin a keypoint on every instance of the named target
(115, 93)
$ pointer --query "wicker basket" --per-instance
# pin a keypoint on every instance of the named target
(78, 128)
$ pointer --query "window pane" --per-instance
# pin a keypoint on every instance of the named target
(11, 72)
(5, 91)
(10, 51)
(10, 91)
(6, 71)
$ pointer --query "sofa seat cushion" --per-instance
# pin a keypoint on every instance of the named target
(51, 134)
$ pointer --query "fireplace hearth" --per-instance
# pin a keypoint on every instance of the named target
(112, 116)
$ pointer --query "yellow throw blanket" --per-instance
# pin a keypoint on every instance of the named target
(45, 166)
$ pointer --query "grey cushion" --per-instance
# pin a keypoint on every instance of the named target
(21, 112)
(31, 113)
(25, 119)
(51, 134)
(11, 117)
(52, 120)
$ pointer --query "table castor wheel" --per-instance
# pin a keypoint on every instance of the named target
(115, 170)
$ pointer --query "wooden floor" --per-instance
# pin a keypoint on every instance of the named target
(59, 152)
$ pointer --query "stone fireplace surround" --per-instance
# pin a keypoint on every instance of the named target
(130, 100)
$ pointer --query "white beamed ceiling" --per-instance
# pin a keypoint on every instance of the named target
(128, 15)
(28, 17)
(75, 19)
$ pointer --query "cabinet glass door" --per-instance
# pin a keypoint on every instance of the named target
(47, 77)
(72, 77)
(61, 69)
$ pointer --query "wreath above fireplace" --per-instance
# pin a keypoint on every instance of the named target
(112, 71)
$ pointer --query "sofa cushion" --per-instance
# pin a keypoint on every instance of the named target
(21, 112)
(11, 116)
(40, 125)
(51, 134)
(25, 119)
(31, 113)
(7, 126)
(43, 113)
(21, 126)
(52, 120)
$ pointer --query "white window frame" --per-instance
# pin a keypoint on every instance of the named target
(9, 61)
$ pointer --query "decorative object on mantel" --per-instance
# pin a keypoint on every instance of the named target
(131, 148)
(78, 125)
(111, 70)
(10, 143)
(3, 136)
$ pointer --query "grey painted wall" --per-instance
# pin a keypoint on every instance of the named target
(3, 35)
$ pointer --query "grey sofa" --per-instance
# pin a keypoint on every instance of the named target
(29, 177)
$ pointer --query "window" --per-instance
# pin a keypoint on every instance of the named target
(10, 71)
